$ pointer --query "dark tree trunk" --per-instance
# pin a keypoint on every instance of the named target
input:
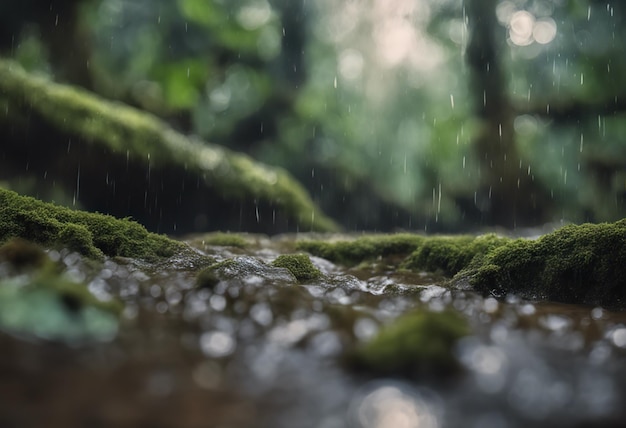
(508, 195)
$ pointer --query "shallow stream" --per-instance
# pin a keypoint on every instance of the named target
(262, 351)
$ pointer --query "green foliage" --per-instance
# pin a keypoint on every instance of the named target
(182, 82)
(293, 85)
(417, 344)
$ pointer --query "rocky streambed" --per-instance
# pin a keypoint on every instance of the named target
(235, 334)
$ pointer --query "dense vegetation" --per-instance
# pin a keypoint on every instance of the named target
(428, 114)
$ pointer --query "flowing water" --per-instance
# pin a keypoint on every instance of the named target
(259, 350)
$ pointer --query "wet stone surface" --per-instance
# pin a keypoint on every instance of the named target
(255, 347)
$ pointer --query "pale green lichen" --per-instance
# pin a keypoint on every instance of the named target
(38, 299)
(130, 132)
(90, 234)
(299, 265)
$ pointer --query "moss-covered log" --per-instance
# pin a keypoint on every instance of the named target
(116, 159)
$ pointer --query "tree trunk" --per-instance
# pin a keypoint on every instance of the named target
(508, 195)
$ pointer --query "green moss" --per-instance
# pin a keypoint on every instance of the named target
(221, 239)
(126, 131)
(575, 264)
(450, 254)
(89, 234)
(299, 265)
(352, 252)
(22, 254)
(419, 343)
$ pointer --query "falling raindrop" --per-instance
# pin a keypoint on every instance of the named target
(76, 194)
(581, 142)
(452, 100)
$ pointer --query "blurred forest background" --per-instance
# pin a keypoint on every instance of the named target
(437, 115)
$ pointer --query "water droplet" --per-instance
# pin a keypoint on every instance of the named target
(618, 336)
(217, 344)
(394, 404)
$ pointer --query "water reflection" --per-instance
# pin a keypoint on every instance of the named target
(390, 404)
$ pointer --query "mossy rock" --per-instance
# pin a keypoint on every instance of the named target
(575, 264)
(90, 234)
(421, 343)
(299, 265)
(242, 269)
(352, 252)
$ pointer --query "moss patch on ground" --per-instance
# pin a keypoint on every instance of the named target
(222, 239)
(299, 265)
(417, 344)
(90, 234)
(352, 252)
(575, 264)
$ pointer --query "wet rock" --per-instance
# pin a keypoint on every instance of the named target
(244, 269)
